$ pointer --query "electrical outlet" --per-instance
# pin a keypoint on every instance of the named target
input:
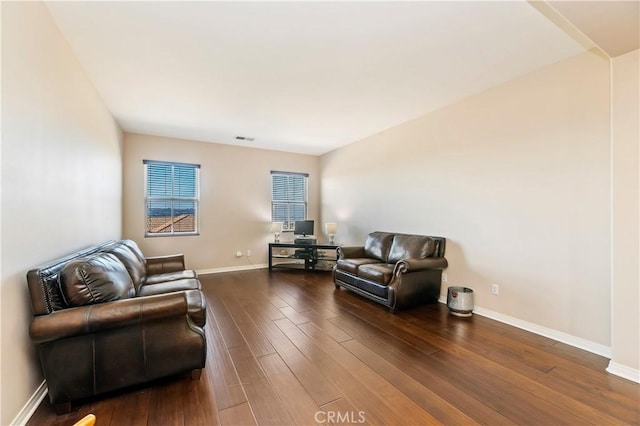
(248, 253)
(444, 277)
(495, 289)
(238, 253)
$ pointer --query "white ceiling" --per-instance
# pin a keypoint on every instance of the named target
(303, 77)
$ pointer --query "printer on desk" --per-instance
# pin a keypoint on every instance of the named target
(305, 240)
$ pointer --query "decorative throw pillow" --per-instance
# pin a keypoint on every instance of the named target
(95, 279)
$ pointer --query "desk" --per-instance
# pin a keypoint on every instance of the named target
(301, 252)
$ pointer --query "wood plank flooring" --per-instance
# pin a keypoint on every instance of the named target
(286, 348)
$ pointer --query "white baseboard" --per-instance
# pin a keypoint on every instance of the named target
(614, 368)
(624, 371)
(560, 336)
(232, 269)
(31, 406)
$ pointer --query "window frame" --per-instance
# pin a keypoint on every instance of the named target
(171, 199)
(288, 226)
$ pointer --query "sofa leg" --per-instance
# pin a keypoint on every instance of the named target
(195, 374)
(62, 408)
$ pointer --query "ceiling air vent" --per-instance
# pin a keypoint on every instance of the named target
(245, 138)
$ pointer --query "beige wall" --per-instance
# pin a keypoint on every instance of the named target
(61, 176)
(517, 178)
(625, 335)
(235, 194)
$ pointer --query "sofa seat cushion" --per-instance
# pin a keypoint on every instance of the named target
(169, 287)
(378, 272)
(95, 279)
(170, 276)
(352, 265)
(411, 247)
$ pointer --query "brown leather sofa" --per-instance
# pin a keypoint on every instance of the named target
(106, 318)
(396, 270)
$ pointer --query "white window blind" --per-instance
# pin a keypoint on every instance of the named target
(288, 198)
(172, 195)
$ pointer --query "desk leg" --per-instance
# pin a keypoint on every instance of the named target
(270, 258)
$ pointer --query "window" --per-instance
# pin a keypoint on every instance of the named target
(172, 194)
(288, 198)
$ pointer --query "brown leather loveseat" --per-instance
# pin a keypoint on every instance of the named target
(396, 270)
(106, 318)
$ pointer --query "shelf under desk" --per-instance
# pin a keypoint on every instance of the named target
(306, 252)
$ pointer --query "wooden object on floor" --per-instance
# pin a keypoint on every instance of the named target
(88, 420)
(285, 347)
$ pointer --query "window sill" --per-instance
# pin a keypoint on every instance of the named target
(177, 234)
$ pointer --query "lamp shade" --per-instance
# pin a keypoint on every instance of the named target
(276, 227)
(331, 228)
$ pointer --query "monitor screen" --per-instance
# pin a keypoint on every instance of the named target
(303, 227)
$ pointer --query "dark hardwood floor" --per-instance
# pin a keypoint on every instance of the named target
(286, 348)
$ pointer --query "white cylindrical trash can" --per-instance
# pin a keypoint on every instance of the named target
(460, 301)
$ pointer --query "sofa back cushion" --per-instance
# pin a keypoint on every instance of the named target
(95, 279)
(411, 247)
(43, 281)
(377, 245)
(135, 249)
(135, 266)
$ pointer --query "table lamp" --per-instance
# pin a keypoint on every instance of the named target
(331, 230)
(276, 229)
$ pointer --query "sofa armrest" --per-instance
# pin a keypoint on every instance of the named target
(110, 315)
(412, 265)
(163, 264)
(350, 252)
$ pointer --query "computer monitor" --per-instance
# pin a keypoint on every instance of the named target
(303, 227)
